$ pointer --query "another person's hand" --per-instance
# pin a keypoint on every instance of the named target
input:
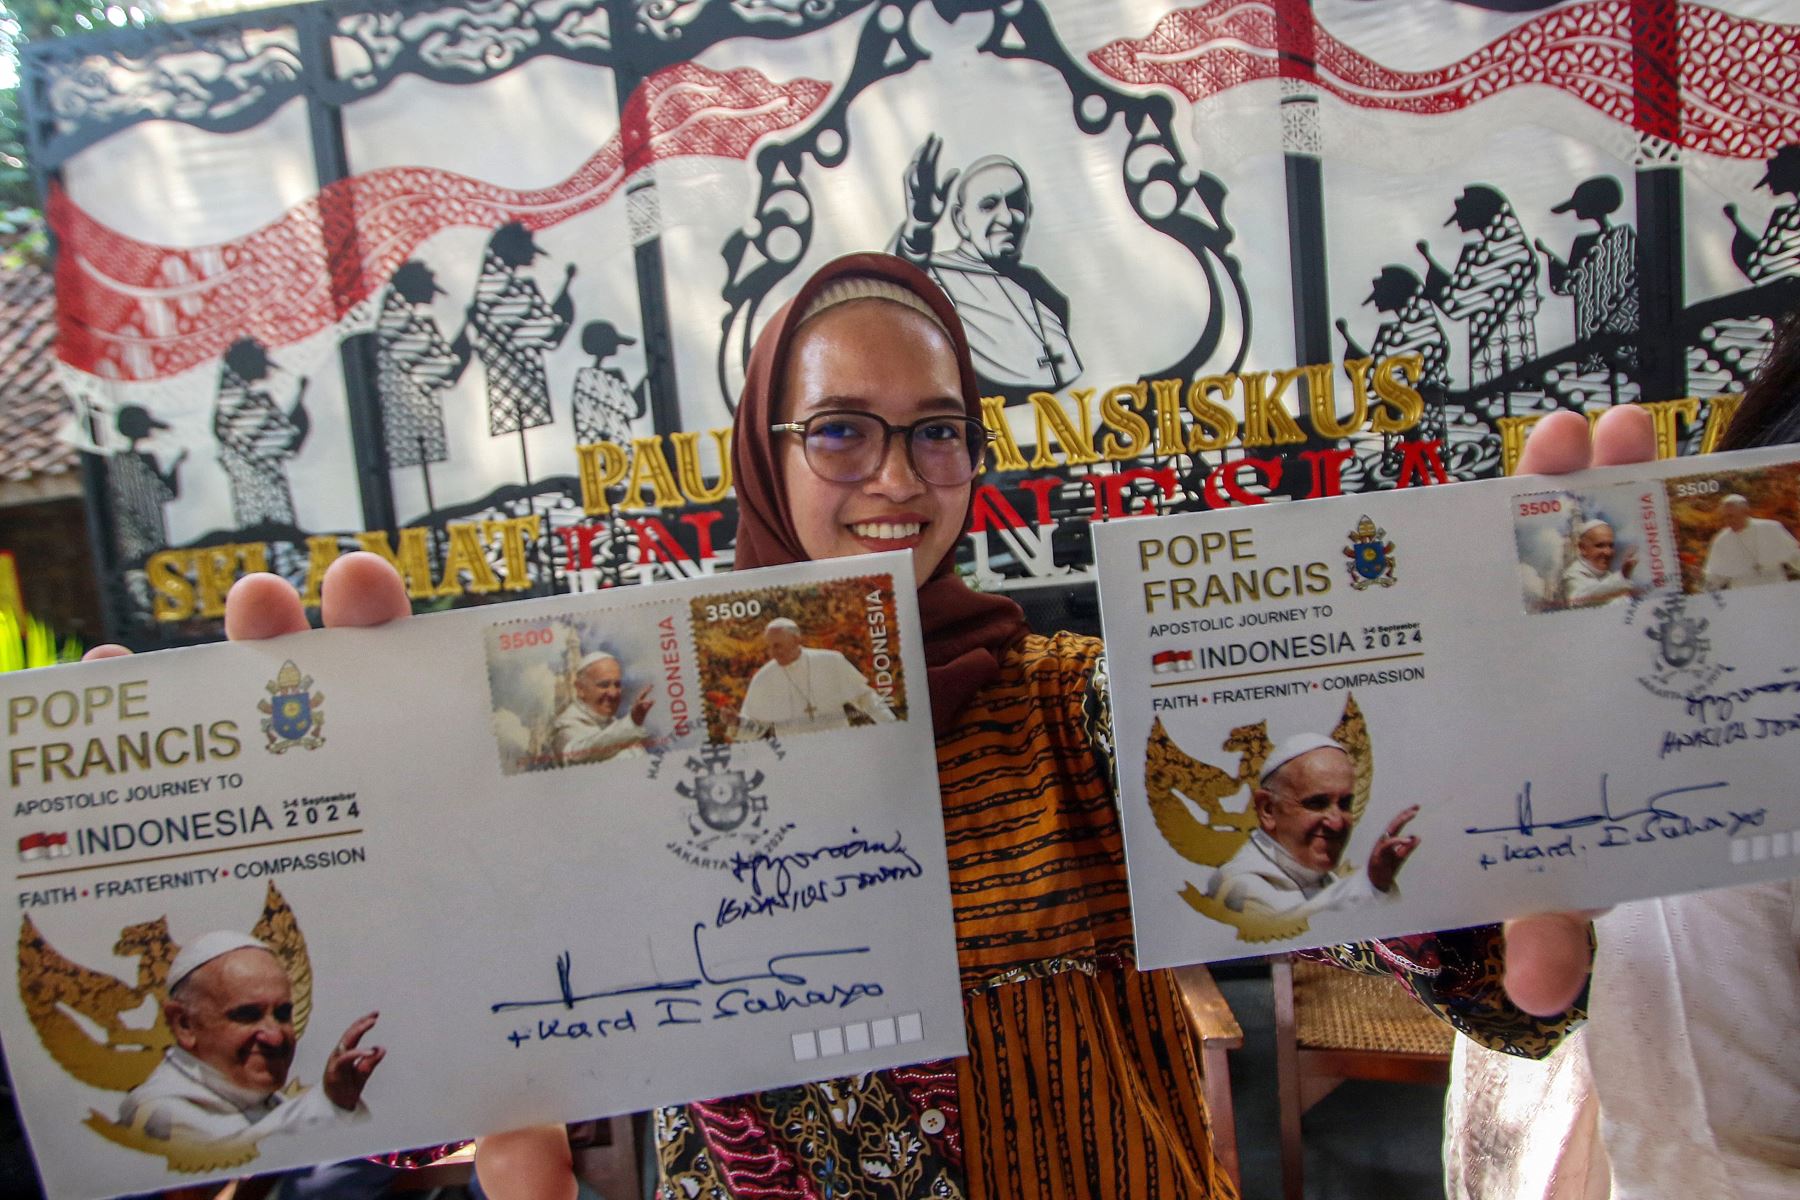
(1548, 956)
(1391, 851)
(348, 1069)
(526, 1164)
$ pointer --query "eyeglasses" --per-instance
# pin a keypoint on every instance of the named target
(848, 447)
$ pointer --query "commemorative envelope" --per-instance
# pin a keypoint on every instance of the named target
(349, 891)
(1427, 709)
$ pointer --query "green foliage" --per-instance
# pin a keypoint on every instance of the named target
(16, 190)
(32, 644)
(21, 23)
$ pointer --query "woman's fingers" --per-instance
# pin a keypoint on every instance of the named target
(1624, 434)
(359, 589)
(262, 606)
(1558, 445)
(363, 589)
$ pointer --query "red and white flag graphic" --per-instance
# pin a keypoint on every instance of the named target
(133, 310)
(1167, 662)
(34, 846)
(1732, 95)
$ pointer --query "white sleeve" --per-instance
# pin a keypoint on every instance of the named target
(311, 1109)
(1353, 889)
(1789, 549)
(1712, 574)
(756, 716)
(864, 697)
(580, 739)
(1252, 892)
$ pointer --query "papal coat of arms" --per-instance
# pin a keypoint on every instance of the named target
(1681, 644)
(1370, 555)
(723, 797)
(291, 714)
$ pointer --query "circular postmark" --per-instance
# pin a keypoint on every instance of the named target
(1677, 625)
(719, 798)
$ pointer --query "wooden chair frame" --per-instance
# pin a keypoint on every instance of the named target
(1218, 1033)
(1307, 1075)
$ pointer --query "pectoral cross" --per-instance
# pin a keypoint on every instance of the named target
(1053, 360)
(811, 712)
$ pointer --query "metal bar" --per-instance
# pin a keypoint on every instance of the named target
(1662, 354)
(355, 355)
(653, 303)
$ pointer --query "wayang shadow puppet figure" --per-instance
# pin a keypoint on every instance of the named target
(1776, 253)
(1735, 346)
(1017, 320)
(513, 327)
(257, 436)
(1493, 286)
(1412, 327)
(605, 405)
(1600, 274)
(414, 367)
(139, 488)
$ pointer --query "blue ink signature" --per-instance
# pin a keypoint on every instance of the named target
(568, 997)
(575, 1031)
(1728, 734)
(773, 887)
(1526, 824)
(1721, 704)
(1511, 853)
(783, 864)
(1654, 822)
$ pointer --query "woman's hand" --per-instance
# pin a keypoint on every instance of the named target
(359, 589)
(1548, 956)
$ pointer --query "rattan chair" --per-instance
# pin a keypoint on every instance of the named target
(1332, 1025)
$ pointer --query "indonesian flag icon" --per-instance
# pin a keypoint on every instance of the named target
(34, 846)
(1168, 662)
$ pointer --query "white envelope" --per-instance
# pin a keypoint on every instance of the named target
(1573, 730)
(555, 916)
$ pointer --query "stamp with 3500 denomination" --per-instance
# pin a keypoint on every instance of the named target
(782, 661)
(572, 688)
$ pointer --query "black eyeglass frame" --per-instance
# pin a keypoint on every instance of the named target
(986, 439)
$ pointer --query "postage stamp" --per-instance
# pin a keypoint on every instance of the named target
(569, 689)
(1589, 548)
(787, 660)
(1736, 529)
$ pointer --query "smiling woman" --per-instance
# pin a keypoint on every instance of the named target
(861, 371)
(1064, 1036)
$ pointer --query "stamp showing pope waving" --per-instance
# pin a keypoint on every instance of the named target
(572, 689)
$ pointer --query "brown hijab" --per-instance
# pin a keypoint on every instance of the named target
(965, 630)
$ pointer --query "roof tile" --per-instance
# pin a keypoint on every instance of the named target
(33, 405)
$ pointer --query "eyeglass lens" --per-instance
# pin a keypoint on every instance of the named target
(848, 447)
